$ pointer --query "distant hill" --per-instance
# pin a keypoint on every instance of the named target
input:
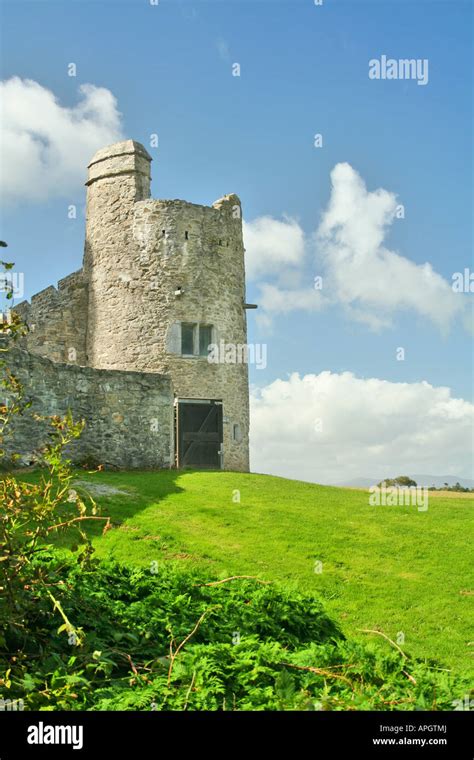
(421, 480)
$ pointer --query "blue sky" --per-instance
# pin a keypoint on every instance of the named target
(303, 71)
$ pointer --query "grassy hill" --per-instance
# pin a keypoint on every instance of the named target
(390, 569)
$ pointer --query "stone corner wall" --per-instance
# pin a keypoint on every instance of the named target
(128, 415)
(57, 320)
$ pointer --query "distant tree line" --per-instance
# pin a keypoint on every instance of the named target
(456, 487)
(403, 481)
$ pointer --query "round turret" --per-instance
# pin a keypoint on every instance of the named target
(167, 294)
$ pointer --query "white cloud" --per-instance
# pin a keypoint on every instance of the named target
(372, 281)
(276, 300)
(369, 427)
(45, 147)
(272, 246)
(276, 249)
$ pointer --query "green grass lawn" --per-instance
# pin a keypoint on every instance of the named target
(394, 569)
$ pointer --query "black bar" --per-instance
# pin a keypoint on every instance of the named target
(127, 734)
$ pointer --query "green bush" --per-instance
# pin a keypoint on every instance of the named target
(172, 641)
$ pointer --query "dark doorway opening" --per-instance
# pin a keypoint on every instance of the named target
(199, 434)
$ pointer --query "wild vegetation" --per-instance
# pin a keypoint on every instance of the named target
(178, 640)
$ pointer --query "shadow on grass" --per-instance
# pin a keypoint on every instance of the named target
(123, 495)
(119, 495)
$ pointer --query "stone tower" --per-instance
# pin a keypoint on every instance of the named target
(166, 279)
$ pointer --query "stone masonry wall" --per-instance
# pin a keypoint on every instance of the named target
(129, 415)
(208, 264)
(57, 320)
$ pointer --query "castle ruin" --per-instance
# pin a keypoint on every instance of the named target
(124, 340)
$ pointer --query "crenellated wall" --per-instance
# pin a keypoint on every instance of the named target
(57, 320)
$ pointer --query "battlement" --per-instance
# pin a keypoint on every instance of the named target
(221, 204)
(75, 279)
(57, 318)
(227, 202)
(48, 294)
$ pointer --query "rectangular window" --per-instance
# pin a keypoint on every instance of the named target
(236, 432)
(205, 338)
(187, 338)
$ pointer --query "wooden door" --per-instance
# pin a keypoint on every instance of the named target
(199, 434)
